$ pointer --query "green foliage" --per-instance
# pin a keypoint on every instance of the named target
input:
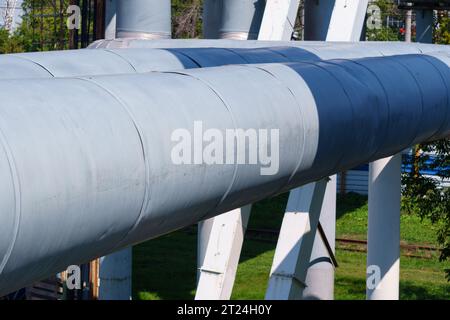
(424, 196)
(42, 28)
(442, 28)
(159, 275)
(10, 43)
(186, 18)
(383, 34)
(386, 33)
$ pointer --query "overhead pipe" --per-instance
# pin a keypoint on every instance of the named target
(232, 19)
(72, 63)
(78, 181)
(229, 43)
(144, 19)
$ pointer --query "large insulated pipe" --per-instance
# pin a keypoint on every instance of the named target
(138, 60)
(144, 19)
(227, 43)
(232, 19)
(81, 180)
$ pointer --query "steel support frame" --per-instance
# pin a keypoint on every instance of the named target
(293, 252)
(218, 257)
(220, 239)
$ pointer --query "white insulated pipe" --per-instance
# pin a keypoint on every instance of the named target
(72, 63)
(81, 180)
(370, 46)
(144, 19)
(232, 19)
(115, 275)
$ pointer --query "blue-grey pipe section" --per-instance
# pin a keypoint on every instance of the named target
(144, 19)
(86, 164)
(232, 19)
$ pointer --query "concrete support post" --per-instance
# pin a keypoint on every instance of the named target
(110, 19)
(224, 235)
(115, 276)
(347, 20)
(383, 251)
(279, 20)
(320, 276)
(294, 247)
(424, 26)
(334, 20)
(144, 19)
(203, 233)
(408, 26)
(232, 19)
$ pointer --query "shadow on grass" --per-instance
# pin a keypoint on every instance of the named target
(351, 288)
(411, 291)
(165, 268)
(349, 203)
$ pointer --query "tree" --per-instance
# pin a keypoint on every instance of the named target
(387, 11)
(186, 18)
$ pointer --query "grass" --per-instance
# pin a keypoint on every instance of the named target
(165, 268)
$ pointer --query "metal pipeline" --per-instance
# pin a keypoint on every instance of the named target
(144, 19)
(138, 60)
(227, 43)
(81, 180)
(232, 19)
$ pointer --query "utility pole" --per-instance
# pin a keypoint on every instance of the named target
(408, 25)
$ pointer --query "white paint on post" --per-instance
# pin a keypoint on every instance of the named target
(383, 245)
(115, 275)
(294, 247)
(320, 276)
(203, 233)
(279, 20)
(347, 20)
(221, 254)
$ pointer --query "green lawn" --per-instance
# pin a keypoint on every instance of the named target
(165, 268)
